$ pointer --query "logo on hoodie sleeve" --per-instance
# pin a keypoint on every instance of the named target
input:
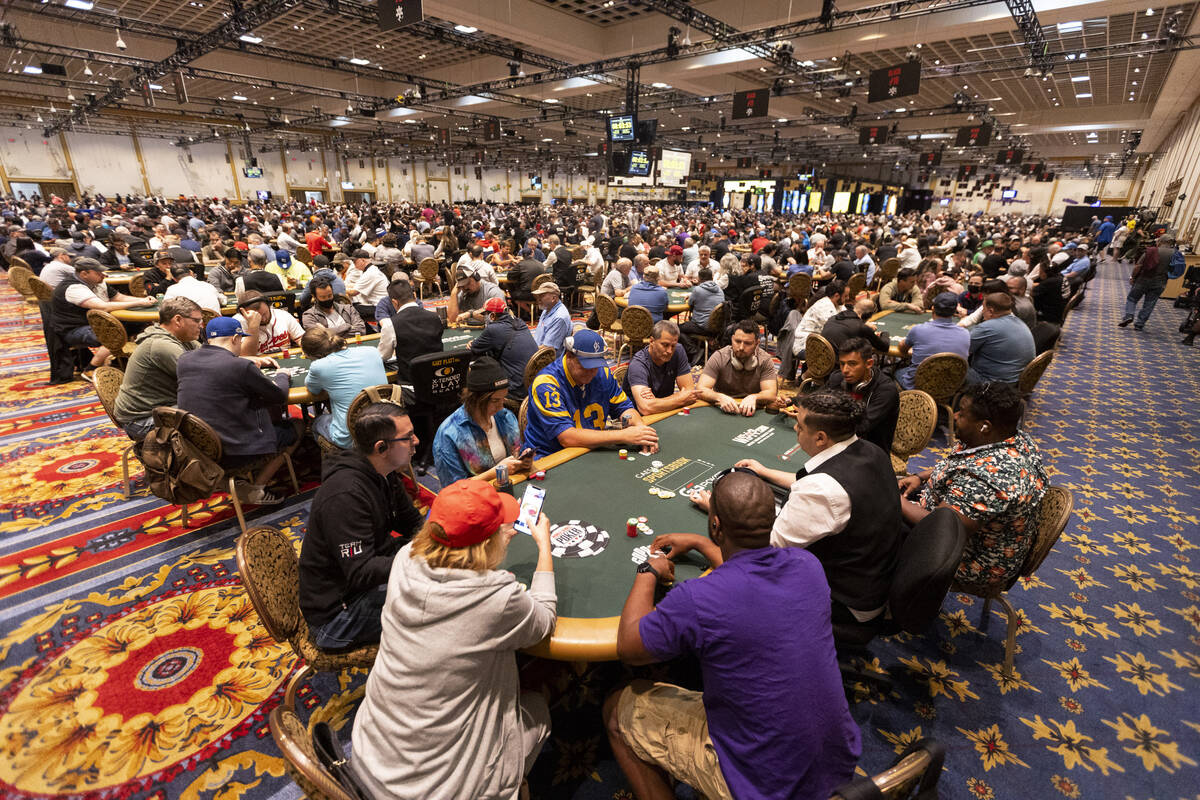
(351, 549)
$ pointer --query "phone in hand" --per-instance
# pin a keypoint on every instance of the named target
(531, 508)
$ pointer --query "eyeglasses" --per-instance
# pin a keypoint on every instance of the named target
(406, 439)
(197, 320)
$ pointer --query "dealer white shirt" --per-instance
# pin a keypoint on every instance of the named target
(817, 506)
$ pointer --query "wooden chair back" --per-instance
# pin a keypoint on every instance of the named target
(428, 269)
(41, 290)
(109, 331)
(799, 290)
(108, 384)
(137, 285)
(1033, 373)
(541, 358)
(941, 376)
(854, 285)
(887, 271)
(270, 571)
(1054, 513)
(606, 311)
(820, 359)
(637, 324)
(304, 256)
(717, 320)
(383, 393)
(18, 278)
(915, 425)
(545, 277)
(300, 760)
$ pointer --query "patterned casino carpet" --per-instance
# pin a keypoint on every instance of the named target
(134, 666)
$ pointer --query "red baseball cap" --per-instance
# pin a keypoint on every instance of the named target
(495, 305)
(675, 250)
(471, 511)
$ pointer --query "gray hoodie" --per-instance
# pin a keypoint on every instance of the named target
(441, 717)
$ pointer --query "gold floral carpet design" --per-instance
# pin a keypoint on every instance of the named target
(133, 665)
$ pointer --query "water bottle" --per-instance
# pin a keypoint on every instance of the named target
(503, 482)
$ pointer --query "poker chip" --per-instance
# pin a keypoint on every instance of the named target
(643, 519)
(653, 490)
(577, 539)
(665, 495)
(656, 464)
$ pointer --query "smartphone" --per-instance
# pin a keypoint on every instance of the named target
(531, 508)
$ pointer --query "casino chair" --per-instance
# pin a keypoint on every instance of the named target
(1052, 516)
(914, 427)
(609, 318)
(585, 288)
(541, 358)
(1045, 336)
(886, 272)
(820, 359)
(270, 570)
(799, 290)
(941, 376)
(925, 569)
(438, 380)
(915, 773)
(1032, 373)
(638, 326)
(523, 417)
(295, 742)
(1072, 304)
(304, 256)
(429, 272)
(111, 333)
(18, 278)
(854, 285)
(204, 438)
(137, 285)
(714, 329)
(748, 303)
(107, 381)
(619, 373)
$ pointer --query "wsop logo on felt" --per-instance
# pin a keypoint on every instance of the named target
(577, 539)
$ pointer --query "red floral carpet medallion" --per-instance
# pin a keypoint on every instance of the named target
(128, 700)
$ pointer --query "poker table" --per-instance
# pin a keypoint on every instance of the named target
(676, 300)
(150, 313)
(121, 277)
(298, 393)
(591, 494)
(897, 325)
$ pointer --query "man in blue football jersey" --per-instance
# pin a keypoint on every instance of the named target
(571, 400)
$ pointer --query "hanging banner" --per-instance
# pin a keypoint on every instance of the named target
(751, 103)
(1010, 157)
(491, 130)
(892, 82)
(395, 14)
(930, 159)
(873, 134)
(973, 136)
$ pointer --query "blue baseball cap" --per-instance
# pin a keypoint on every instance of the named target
(283, 257)
(221, 327)
(588, 347)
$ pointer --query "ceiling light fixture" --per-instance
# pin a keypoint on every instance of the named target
(1080, 78)
(250, 38)
(82, 5)
(32, 69)
(465, 29)
(120, 42)
(1083, 96)
(238, 97)
(361, 62)
(87, 70)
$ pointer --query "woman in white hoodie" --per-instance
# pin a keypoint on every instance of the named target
(444, 715)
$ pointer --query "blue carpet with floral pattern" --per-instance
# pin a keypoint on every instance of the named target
(133, 665)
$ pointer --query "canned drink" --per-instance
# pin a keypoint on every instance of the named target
(501, 473)
(631, 527)
(285, 353)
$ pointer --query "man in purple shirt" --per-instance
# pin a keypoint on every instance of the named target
(773, 721)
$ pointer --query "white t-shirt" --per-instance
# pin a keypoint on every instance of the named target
(495, 443)
(371, 285)
(202, 293)
(277, 333)
(79, 292)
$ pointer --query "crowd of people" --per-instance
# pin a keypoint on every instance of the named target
(444, 715)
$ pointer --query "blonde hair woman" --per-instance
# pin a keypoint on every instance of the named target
(729, 267)
(444, 715)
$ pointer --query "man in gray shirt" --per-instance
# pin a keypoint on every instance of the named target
(1001, 345)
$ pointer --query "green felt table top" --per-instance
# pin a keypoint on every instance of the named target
(897, 325)
(600, 489)
(676, 296)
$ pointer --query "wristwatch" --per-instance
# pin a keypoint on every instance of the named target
(645, 567)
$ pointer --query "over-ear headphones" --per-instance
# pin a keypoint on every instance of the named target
(739, 364)
(862, 385)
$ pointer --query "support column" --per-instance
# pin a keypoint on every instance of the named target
(237, 190)
(62, 141)
(137, 151)
(387, 174)
(287, 186)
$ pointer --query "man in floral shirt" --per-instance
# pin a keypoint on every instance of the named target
(993, 480)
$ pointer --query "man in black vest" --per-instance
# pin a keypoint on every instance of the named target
(73, 298)
(838, 507)
(560, 263)
(410, 332)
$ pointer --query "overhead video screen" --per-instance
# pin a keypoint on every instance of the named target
(639, 163)
(620, 128)
(674, 167)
